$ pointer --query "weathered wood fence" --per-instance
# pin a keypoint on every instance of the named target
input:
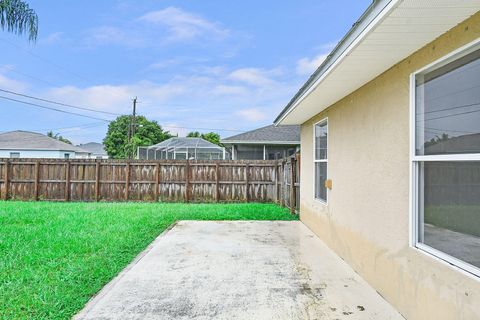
(140, 180)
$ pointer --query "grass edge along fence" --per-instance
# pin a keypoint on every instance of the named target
(146, 180)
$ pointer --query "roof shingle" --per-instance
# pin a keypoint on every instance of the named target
(269, 134)
(26, 140)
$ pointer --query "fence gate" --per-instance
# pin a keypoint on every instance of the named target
(291, 183)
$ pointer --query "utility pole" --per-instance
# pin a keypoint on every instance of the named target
(131, 128)
(134, 114)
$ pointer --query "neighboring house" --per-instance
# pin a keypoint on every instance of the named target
(267, 143)
(25, 144)
(181, 149)
(402, 210)
(97, 150)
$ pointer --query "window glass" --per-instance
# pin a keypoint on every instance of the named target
(448, 108)
(249, 152)
(320, 177)
(181, 156)
(14, 154)
(66, 156)
(450, 207)
(320, 146)
(321, 141)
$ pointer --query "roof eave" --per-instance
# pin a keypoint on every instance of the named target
(373, 11)
(260, 142)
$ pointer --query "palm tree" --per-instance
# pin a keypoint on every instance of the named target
(17, 17)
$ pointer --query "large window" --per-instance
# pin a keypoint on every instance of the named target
(321, 159)
(446, 159)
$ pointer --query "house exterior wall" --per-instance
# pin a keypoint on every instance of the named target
(38, 154)
(366, 220)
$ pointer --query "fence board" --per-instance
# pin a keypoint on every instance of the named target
(147, 180)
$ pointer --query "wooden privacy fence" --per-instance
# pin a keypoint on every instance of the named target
(137, 180)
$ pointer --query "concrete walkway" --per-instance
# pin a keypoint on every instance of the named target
(238, 270)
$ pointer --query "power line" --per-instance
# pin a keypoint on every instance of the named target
(66, 129)
(59, 103)
(106, 120)
(62, 128)
(450, 108)
(212, 129)
(456, 131)
(452, 115)
(11, 69)
(50, 62)
(53, 109)
(45, 60)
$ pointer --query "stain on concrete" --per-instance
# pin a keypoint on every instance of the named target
(238, 270)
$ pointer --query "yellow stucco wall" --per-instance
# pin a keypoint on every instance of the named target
(366, 220)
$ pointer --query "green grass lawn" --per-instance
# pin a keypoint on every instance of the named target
(55, 256)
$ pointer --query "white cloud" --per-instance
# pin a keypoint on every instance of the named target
(252, 114)
(223, 89)
(163, 64)
(11, 84)
(176, 129)
(307, 66)
(112, 35)
(118, 99)
(52, 38)
(253, 76)
(183, 25)
(211, 97)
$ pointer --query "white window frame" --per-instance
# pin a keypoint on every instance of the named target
(315, 161)
(416, 160)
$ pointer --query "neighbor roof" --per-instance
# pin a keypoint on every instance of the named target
(25, 140)
(178, 142)
(388, 32)
(94, 148)
(269, 134)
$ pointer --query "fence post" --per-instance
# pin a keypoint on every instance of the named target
(157, 182)
(187, 180)
(275, 179)
(37, 180)
(127, 181)
(283, 185)
(247, 178)
(67, 181)
(6, 179)
(217, 182)
(292, 185)
(97, 181)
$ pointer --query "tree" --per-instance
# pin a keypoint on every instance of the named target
(193, 134)
(437, 139)
(58, 137)
(210, 136)
(17, 17)
(147, 133)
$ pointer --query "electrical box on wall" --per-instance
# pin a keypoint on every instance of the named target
(328, 184)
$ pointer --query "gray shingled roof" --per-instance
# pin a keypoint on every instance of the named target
(269, 134)
(25, 140)
(94, 147)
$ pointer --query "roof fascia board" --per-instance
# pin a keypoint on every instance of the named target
(34, 149)
(261, 142)
(374, 14)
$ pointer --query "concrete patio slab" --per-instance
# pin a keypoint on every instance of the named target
(238, 270)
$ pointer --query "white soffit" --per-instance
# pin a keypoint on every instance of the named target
(403, 28)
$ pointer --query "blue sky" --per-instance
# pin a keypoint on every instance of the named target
(192, 64)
